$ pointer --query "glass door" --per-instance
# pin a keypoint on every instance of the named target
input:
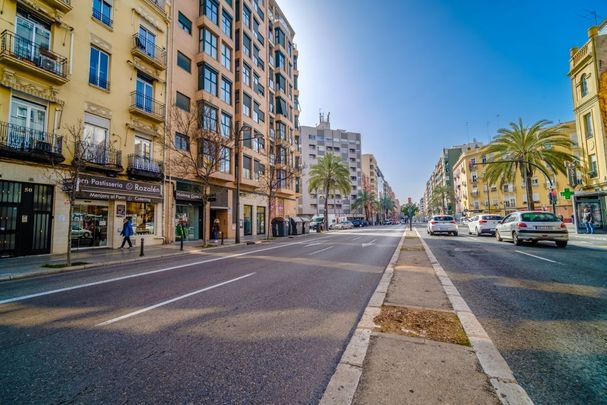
(145, 94)
(28, 121)
(147, 41)
(31, 36)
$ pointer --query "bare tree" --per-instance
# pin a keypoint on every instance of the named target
(208, 148)
(68, 175)
(278, 175)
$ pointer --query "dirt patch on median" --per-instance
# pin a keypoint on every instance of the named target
(434, 325)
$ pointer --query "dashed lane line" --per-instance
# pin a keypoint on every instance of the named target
(537, 257)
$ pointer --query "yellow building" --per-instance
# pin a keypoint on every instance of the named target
(588, 74)
(99, 65)
(474, 195)
(238, 60)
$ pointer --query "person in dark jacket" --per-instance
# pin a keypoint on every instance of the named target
(127, 231)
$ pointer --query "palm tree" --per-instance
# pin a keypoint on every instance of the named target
(524, 149)
(331, 175)
(364, 201)
(441, 196)
(386, 205)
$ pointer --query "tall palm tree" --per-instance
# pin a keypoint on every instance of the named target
(440, 199)
(331, 175)
(523, 149)
(386, 205)
(364, 200)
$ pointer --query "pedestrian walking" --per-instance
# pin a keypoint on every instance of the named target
(127, 231)
(216, 230)
(588, 219)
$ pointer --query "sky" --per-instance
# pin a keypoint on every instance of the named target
(414, 76)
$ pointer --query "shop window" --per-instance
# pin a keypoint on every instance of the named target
(142, 215)
(89, 226)
(261, 220)
(248, 220)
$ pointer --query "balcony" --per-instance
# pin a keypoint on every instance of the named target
(28, 144)
(147, 107)
(159, 4)
(149, 51)
(99, 157)
(145, 168)
(62, 5)
(26, 55)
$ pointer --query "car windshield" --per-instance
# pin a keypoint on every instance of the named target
(444, 218)
(492, 217)
(539, 217)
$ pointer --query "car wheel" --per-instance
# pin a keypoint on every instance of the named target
(561, 243)
(516, 240)
(431, 233)
(469, 232)
(498, 236)
(455, 233)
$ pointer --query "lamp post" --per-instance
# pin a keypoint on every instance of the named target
(237, 141)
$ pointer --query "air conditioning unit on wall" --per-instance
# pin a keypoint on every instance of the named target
(49, 64)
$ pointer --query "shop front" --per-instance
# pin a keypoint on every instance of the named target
(102, 205)
(188, 211)
(594, 203)
(219, 209)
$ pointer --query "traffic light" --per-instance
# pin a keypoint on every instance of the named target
(552, 197)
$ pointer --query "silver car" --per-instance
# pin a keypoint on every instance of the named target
(532, 226)
(442, 224)
(483, 223)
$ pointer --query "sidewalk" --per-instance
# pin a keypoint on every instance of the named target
(412, 347)
(29, 266)
(601, 237)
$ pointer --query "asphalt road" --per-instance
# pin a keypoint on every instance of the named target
(257, 324)
(545, 309)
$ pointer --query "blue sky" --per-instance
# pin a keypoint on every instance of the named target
(416, 76)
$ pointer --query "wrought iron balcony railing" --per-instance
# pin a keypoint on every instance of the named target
(147, 105)
(149, 49)
(98, 154)
(27, 142)
(31, 52)
(144, 164)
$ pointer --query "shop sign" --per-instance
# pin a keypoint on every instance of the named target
(188, 195)
(107, 188)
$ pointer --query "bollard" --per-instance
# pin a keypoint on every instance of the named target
(181, 243)
(222, 238)
(141, 250)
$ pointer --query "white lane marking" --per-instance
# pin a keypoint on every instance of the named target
(319, 251)
(537, 257)
(313, 244)
(111, 280)
(369, 243)
(356, 238)
(172, 300)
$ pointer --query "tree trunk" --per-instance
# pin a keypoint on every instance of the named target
(269, 214)
(326, 216)
(204, 216)
(68, 256)
(528, 189)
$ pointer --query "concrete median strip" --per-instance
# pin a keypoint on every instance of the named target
(344, 382)
(492, 362)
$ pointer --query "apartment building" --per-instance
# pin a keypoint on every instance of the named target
(315, 143)
(237, 62)
(98, 67)
(475, 195)
(588, 74)
(369, 170)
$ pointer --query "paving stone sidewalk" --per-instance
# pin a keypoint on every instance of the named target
(412, 370)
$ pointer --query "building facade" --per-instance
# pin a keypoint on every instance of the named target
(588, 74)
(236, 60)
(315, 143)
(86, 81)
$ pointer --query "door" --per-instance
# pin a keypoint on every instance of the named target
(145, 94)
(28, 122)
(30, 37)
(147, 41)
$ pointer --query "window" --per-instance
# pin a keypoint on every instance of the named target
(143, 148)
(209, 80)
(246, 45)
(256, 31)
(184, 62)
(95, 138)
(280, 60)
(142, 215)
(211, 10)
(226, 23)
(184, 23)
(226, 90)
(280, 37)
(225, 164)
(588, 125)
(209, 118)
(246, 74)
(246, 167)
(281, 106)
(182, 101)
(261, 220)
(259, 89)
(258, 60)
(258, 115)
(146, 41)
(226, 125)
(281, 83)
(208, 42)
(246, 16)
(246, 105)
(29, 117)
(593, 166)
(226, 56)
(102, 11)
(181, 142)
(144, 93)
(99, 68)
(259, 143)
(584, 85)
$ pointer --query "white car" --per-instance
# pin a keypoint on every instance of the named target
(442, 224)
(532, 226)
(483, 223)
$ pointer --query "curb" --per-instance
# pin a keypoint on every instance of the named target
(495, 367)
(344, 382)
(46, 272)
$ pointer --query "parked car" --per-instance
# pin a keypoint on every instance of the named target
(442, 224)
(347, 225)
(483, 224)
(80, 233)
(357, 223)
(532, 226)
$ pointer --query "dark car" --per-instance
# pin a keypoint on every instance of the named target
(357, 223)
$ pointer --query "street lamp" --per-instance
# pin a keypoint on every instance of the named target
(237, 141)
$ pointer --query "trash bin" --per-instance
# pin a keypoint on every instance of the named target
(296, 226)
(280, 227)
(305, 225)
